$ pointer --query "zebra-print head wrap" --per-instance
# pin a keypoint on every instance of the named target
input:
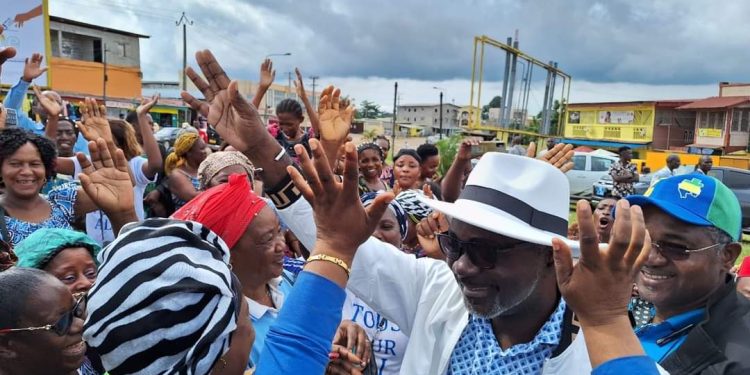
(164, 300)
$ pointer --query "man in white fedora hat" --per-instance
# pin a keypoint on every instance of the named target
(494, 306)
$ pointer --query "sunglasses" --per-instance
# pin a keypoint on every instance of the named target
(679, 252)
(482, 254)
(62, 326)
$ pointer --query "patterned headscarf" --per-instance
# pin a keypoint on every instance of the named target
(415, 209)
(226, 209)
(40, 247)
(165, 301)
(182, 146)
(214, 163)
(394, 206)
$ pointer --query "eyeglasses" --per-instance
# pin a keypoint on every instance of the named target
(62, 326)
(678, 252)
(482, 254)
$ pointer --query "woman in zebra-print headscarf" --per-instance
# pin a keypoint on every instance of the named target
(166, 302)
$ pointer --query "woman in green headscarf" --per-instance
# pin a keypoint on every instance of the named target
(68, 255)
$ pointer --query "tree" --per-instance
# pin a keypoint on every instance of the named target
(369, 135)
(557, 108)
(368, 109)
(494, 103)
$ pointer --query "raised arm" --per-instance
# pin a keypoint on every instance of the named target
(599, 286)
(238, 121)
(267, 75)
(292, 345)
(452, 181)
(106, 185)
(153, 155)
(53, 109)
(335, 122)
(311, 114)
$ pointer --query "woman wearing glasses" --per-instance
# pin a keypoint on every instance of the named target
(40, 332)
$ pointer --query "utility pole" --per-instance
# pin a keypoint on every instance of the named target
(184, 21)
(314, 98)
(393, 126)
(104, 61)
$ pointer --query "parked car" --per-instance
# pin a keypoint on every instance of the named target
(739, 181)
(167, 137)
(603, 187)
(588, 168)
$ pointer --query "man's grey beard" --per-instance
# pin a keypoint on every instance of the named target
(501, 307)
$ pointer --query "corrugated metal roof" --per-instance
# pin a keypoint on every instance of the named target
(717, 102)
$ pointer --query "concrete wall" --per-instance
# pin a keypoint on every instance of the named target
(673, 128)
(78, 43)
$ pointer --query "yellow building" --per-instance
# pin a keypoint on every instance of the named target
(638, 124)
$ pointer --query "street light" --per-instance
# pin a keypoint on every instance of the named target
(279, 54)
(440, 132)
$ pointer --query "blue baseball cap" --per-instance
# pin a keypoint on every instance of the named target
(695, 199)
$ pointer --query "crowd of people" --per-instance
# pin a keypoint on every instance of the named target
(294, 251)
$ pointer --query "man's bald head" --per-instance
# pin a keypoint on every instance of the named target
(39, 110)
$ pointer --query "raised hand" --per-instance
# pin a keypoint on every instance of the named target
(94, 124)
(464, 149)
(6, 53)
(560, 156)
(33, 67)
(267, 74)
(147, 104)
(231, 115)
(52, 107)
(3, 116)
(427, 231)
(342, 223)
(335, 121)
(599, 286)
(106, 180)
(311, 114)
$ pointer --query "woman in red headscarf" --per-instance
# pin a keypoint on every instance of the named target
(253, 234)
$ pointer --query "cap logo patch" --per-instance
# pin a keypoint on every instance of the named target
(690, 187)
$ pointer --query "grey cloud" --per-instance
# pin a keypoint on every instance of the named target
(639, 41)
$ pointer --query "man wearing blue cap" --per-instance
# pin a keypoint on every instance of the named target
(700, 325)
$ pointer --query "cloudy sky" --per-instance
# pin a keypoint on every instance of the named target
(614, 50)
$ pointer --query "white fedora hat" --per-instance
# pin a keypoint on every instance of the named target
(515, 196)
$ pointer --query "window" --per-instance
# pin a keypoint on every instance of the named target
(716, 120)
(579, 163)
(123, 49)
(703, 120)
(736, 180)
(745, 120)
(736, 117)
(600, 164)
(435, 110)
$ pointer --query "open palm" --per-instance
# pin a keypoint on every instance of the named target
(147, 104)
(106, 179)
(52, 107)
(94, 124)
(335, 120)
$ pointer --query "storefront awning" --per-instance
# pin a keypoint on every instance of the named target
(603, 144)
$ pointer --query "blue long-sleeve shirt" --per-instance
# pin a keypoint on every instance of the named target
(300, 341)
(14, 100)
(642, 365)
